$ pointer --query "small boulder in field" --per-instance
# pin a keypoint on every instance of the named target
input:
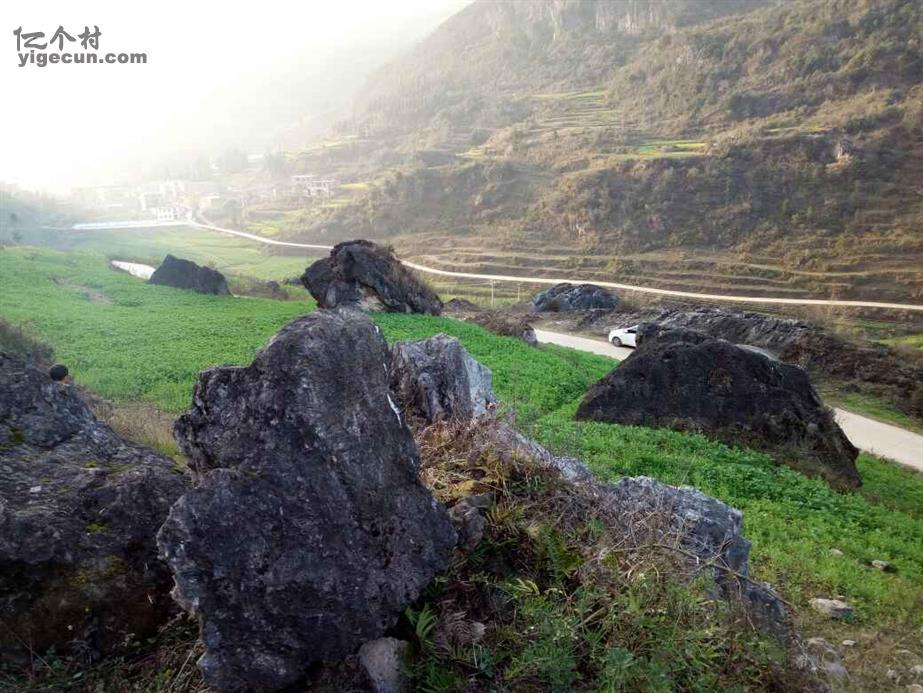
(437, 379)
(507, 325)
(185, 274)
(688, 381)
(567, 297)
(79, 511)
(369, 276)
(309, 532)
(834, 608)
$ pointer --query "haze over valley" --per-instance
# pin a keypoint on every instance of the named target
(462, 345)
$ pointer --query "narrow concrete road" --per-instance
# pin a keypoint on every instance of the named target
(135, 269)
(881, 439)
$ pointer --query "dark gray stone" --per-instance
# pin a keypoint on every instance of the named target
(468, 517)
(437, 379)
(79, 510)
(567, 297)
(685, 380)
(462, 305)
(185, 274)
(512, 443)
(309, 532)
(807, 345)
(369, 276)
(707, 529)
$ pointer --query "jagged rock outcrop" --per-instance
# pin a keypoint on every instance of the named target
(185, 274)
(436, 379)
(309, 531)
(507, 325)
(79, 510)
(688, 381)
(367, 275)
(567, 297)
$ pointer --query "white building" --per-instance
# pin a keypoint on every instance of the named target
(308, 185)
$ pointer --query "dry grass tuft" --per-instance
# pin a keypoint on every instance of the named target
(140, 423)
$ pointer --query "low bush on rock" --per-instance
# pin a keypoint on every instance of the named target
(562, 593)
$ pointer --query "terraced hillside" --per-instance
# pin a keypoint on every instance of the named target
(775, 148)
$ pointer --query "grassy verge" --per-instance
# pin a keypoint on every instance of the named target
(867, 404)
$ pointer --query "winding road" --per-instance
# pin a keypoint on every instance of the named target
(727, 298)
(876, 437)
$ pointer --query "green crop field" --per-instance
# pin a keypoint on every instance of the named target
(227, 254)
(127, 340)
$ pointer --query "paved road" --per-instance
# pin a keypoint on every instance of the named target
(135, 269)
(526, 280)
(866, 434)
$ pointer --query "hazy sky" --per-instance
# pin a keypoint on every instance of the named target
(212, 66)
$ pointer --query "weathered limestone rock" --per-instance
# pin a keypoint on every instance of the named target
(824, 659)
(685, 380)
(185, 274)
(572, 297)
(382, 660)
(309, 532)
(367, 275)
(437, 379)
(834, 608)
(79, 510)
(709, 529)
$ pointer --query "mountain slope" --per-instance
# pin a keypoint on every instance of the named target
(775, 147)
(480, 66)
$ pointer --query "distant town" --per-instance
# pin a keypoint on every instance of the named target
(176, 200)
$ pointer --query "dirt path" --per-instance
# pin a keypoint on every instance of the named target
(881, 439)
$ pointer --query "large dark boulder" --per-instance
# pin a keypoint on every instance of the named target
(185, 274)
(79, 511)
(573, 297)
(436, 379)
(688, 381)
(892, 374)
(369, 276)
(309, 531)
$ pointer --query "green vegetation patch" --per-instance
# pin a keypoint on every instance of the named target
(149, 342)
(227, 254)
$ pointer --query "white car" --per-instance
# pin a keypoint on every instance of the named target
(624, 336)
